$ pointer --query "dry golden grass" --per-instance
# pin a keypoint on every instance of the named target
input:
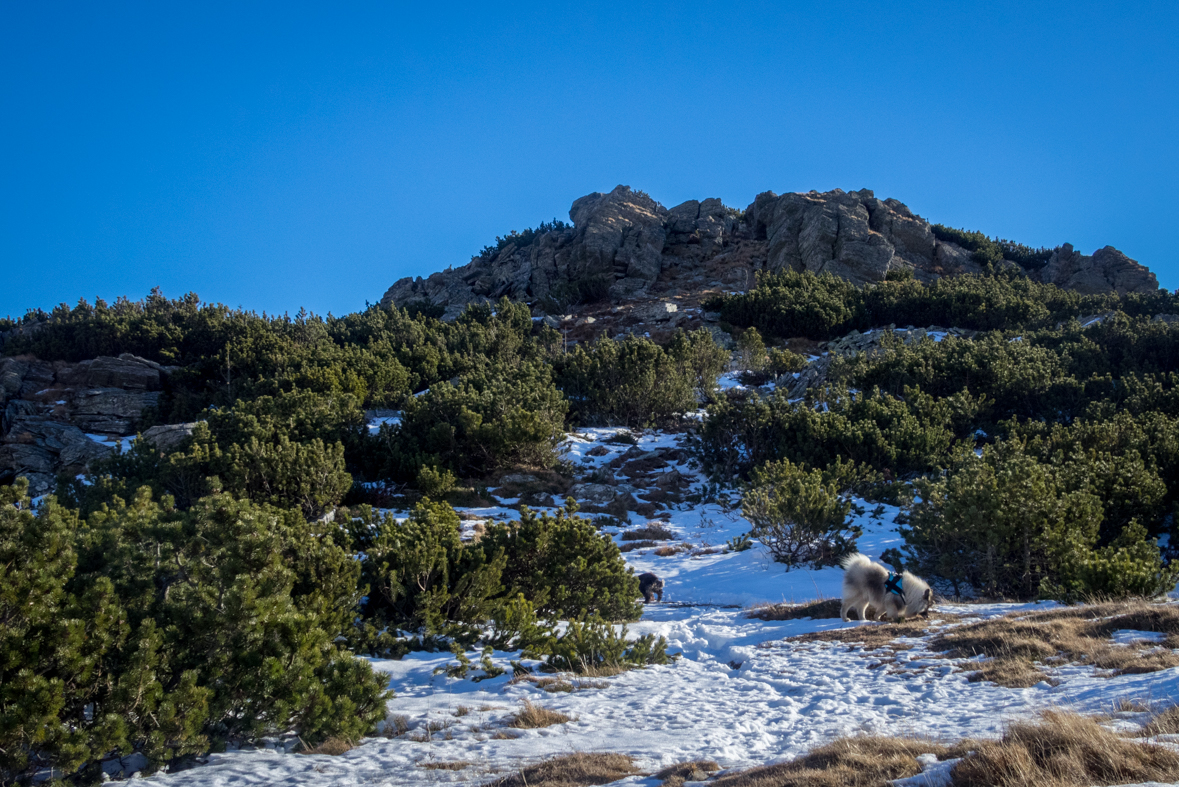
(670, 551)
(396, 726)
(531, 717)
(601, 671)
(451, 765)
(871, 637)
(1064, 750)
(1061, 749)
(432, 729)
(631, 546)
(1165, 722)
(848, 762)
(571, 770)
(1013, 643)
(697, 771)
(823, 608)
(561, 683)
(1130, 705)
(332, 746)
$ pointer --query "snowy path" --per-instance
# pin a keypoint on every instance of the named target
(784, 699)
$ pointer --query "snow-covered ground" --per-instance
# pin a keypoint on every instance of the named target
(741, 693)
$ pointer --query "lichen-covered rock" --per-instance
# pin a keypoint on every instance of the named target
(594, 494)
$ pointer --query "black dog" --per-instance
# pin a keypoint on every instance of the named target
(651, 587)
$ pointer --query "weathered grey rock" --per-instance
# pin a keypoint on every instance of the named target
(127, 372)
(1105, 271)
(853, 235)
(39, 483)
(594, 494)
(518, 478)
(617, 240)
(656, 312)
(1171, 319)
(110, 410)
(48, 409)
(626, 244)
(166, 437)
(721, 337)
(35, 445)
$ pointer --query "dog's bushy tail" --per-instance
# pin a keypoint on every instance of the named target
(855, 558)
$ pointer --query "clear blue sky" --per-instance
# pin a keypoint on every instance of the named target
(308, 155)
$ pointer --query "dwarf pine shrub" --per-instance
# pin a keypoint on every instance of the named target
(800, 518)
(142, 628)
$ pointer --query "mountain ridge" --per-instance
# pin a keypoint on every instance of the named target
(624, 245)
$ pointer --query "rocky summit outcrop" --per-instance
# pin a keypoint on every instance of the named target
(625, 246)
(1108, 269)
(54, 415)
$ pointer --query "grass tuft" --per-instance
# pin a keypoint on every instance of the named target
(396, 726)
(1064, 750)
(445, 765)
(1165, 722)
(531, 717)
(1061, 749)
(631, 546)
(332, 746)
(652, 531)
(1013, 644)
(571, 770)
(865, 761)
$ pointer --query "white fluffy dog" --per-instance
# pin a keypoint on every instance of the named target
(892, 596)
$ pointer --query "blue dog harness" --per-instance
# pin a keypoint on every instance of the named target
(893, 584)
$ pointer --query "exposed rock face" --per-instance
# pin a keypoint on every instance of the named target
(1108, 269)
(852, 235)
(628, 246)
(47, 410)
(167, 437)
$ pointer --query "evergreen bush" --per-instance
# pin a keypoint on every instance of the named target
(800, 518)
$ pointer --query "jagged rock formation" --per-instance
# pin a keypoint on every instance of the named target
(1108, 269)
(625, 245)
(48, 409)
